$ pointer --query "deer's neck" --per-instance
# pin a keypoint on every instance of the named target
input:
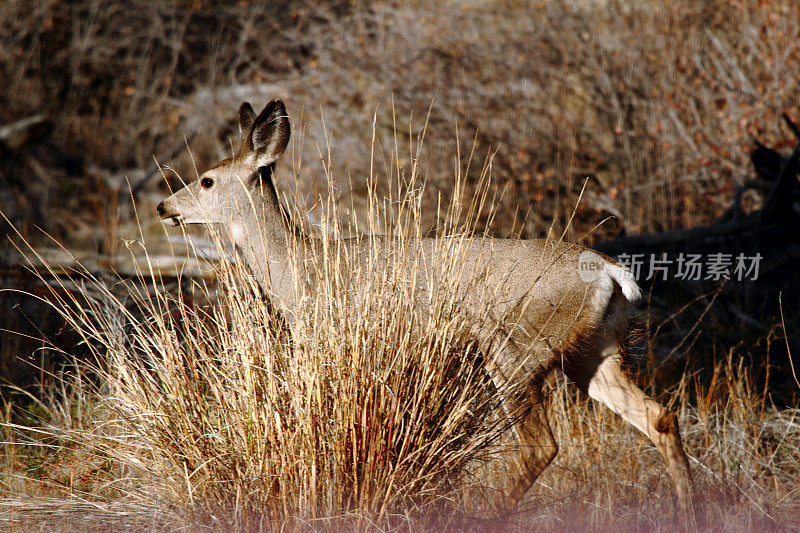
(261, 232)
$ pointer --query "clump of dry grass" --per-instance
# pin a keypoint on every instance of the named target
(359, 410)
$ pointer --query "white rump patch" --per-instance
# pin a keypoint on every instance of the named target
(592, 268)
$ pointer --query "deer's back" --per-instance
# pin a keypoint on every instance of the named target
(536, 289)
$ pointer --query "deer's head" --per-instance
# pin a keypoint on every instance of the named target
(229, 186)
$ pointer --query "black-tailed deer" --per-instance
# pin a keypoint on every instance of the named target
(576, 316)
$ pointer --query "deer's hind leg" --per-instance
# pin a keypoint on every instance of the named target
(536, 446)
(518, 374)
(608, 382)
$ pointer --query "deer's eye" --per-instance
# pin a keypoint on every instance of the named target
(207, 183)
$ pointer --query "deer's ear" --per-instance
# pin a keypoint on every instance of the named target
(269, 134)
(246, 118)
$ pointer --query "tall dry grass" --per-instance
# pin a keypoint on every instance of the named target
(360, 409)
(207, 408)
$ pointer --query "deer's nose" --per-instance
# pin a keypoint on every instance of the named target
(160, 209)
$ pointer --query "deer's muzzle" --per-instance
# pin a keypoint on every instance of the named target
(168, 214)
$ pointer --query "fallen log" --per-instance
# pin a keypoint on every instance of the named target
(772, 232)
